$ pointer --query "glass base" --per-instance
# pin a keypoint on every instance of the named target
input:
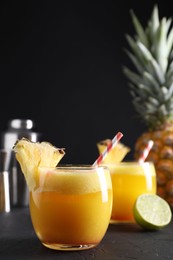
(68, 247)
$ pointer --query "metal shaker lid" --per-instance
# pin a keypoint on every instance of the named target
(18, 128)
(20, 124)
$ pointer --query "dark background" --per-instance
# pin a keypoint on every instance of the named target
(61, 65)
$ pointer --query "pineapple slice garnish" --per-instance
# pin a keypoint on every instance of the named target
(115, 155)
(32, 155)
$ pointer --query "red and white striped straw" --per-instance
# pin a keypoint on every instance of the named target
(112, 144)
(146, 151)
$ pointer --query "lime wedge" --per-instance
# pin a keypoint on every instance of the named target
(152, 212)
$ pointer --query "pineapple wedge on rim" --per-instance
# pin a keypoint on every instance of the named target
(116, 155)
(32, 155)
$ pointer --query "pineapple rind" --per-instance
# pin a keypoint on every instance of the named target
(162, 156)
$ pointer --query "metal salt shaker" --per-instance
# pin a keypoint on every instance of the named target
(18, 128)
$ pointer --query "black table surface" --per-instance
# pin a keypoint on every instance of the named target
(122, 241)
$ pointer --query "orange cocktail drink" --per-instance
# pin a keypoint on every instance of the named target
(129, 180)
(72, 206)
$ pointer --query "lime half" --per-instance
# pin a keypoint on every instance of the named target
(152, 212)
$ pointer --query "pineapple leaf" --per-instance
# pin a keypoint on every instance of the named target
(169, 75)
(138, 93)
(139, 107)
(135, 49)
(162, 111)
(169, 42)
(135, 78)
(153, 101)
(150, 108)
(144, 51)
(161, 46)
(164, 90)
(149, 58)
(170, 91)
(168, 24)
(132, 93)
(170, 70)
(151, 53)
(152, 27)
(171, 55)
(167, 92)
(158, 71)
(151, 81)
(139, 29)
(170, 105)
(154, 21)
(135, 61)
(146, 89)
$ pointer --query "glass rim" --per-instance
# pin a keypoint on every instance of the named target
(128, 162)
(75, 167)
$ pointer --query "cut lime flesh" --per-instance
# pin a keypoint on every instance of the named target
(152, 212)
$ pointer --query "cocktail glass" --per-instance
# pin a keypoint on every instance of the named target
(71, 208)
(129, 180)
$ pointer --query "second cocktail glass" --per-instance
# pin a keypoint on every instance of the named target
(129, 180)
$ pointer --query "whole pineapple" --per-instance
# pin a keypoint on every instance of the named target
(151, 87)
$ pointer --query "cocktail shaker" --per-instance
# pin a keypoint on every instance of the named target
(18, 128)
(5, 160)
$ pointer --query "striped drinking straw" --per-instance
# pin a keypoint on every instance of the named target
(146, 151)
(110, 146)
